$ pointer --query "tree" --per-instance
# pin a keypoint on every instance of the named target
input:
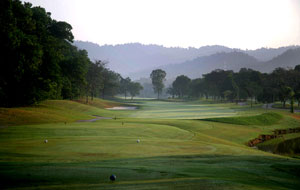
(196, 88)
(291, 95)
(297, 97)
(228, 94)
(171, 91)
(40, 61)
(124, 86)
(181, 85)
(158, 77)
(94, 79)
(110, 83)
(249, 81)
(134, 89)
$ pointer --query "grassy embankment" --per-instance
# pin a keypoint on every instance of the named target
(173, 153)
(53, 111)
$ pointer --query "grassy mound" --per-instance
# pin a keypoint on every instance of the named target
(263, 119)
(99, 103)
(56, 111)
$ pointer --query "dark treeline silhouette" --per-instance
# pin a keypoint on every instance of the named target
(38, 60)
(247, 84)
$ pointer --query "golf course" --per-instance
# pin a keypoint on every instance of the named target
(182, 145)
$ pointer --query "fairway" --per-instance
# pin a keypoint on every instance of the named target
(175, 150)
(182, 110)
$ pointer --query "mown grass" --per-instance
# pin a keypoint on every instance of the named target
(172, 153)
(182, 110)
(262, 119)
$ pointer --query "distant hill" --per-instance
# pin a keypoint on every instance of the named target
(134, 57)
(266, 54)
(227, 61)
(137, 60)
(288, 59)
(201, 65)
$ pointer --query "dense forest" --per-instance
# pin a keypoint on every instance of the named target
(39, 61)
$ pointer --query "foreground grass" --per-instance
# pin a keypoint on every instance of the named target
(172, 154)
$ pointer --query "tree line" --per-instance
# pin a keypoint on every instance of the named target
(38, 60)
(247, 84)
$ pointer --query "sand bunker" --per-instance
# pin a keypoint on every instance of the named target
(122, 108)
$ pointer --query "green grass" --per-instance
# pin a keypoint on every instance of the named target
(173, 153)
(262, 119)
(182, 110)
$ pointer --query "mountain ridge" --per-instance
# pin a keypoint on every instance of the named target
(137, 60)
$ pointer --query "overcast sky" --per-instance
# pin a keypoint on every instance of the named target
(186, 23)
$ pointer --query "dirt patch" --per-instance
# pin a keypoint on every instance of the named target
(296, 116)
(276, 134)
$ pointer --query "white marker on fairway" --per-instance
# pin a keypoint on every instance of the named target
(138, 141)
(45, 141)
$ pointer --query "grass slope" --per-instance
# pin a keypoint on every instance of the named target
(57, 111)
(262, 119)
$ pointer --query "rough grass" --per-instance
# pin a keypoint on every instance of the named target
(262, 119)
(99, 103)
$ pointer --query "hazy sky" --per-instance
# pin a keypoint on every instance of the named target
(186, 23)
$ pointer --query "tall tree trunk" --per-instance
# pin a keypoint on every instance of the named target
(292, 105)
(251, 101)
(283, 103)
(87, 96)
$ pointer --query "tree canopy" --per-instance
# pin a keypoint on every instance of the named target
(39, 61)
(158, 77)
